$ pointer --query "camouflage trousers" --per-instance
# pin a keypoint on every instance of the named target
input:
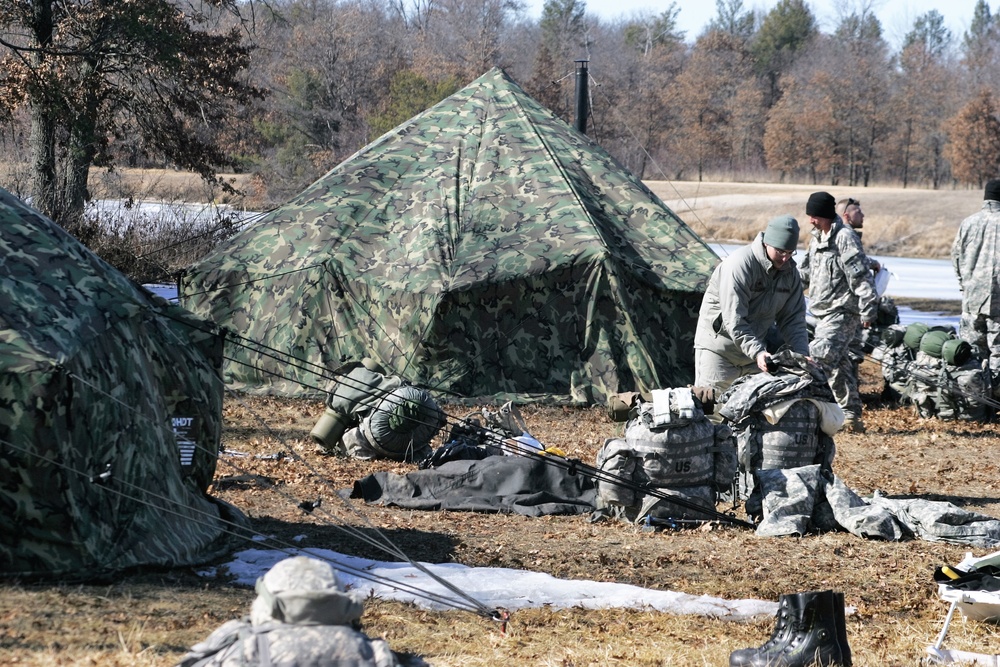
(830, 347)
(983, 334)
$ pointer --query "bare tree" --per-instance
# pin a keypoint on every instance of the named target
(924, 92)
(319, 105)
(87, 71)
(633, 117)
(718, 78)
(974, 140)
(464, 38)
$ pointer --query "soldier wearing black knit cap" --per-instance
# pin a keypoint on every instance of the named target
(842, 298)
(975, 255)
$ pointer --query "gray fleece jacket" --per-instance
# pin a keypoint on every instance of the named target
(745, 297)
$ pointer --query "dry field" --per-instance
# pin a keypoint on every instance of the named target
(910, 222)
(151, 618)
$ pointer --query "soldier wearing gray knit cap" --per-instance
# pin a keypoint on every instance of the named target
(975, 254)
(752, 290)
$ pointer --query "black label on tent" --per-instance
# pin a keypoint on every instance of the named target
(184, 434)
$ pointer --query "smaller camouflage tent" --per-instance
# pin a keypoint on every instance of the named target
(110, 414)
(484, 248)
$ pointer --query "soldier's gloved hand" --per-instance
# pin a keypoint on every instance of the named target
(707, 397)
(765, 363)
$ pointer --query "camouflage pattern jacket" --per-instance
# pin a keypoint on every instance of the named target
(745, 297)
(836, 271)
(974, 254)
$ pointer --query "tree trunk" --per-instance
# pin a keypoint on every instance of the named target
(42, 141)
(81, 151)
(908, 141)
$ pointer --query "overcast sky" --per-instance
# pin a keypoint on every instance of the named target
(897, 16)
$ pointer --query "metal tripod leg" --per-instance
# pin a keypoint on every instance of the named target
(936, 654)
(947, 622)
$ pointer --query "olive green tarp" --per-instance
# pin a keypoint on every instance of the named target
(110, 414)
(484, 248)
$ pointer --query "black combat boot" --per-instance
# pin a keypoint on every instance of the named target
(810, 637)
(787, 611)
(838, 615)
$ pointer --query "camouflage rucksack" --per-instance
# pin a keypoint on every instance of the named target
(894, 356)
(686, 456)
(947, 391)
(780, 420)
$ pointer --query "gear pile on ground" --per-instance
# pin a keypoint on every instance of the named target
(936, 372)
(670, 446)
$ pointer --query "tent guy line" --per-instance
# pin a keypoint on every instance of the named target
(141, 495)
(571, 466)
(575, 467)
(385, 545)
(391, 549)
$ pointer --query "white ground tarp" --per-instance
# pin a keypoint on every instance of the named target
(496, 587)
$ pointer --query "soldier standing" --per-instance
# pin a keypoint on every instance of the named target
(975, 257)
(851, 213)
(842, 297)
(751, 291)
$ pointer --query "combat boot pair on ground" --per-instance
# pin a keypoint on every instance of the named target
(809, 629)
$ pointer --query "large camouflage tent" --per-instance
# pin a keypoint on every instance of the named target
(483, 248)
(110, 414)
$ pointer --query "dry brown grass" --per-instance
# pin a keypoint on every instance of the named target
(151, 618)
(168, 185)
(911, 222)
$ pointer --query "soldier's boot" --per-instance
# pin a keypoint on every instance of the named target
(853, 423)
(783, 622)
(838, 615)
(811, 638)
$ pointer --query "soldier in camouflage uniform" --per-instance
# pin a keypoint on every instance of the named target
(975, 257)
(302, 617)
(851, 213)
(842, 297)
(752, 290)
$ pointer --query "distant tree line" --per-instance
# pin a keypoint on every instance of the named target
(285, 89)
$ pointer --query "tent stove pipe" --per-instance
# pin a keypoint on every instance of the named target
(582, 95)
